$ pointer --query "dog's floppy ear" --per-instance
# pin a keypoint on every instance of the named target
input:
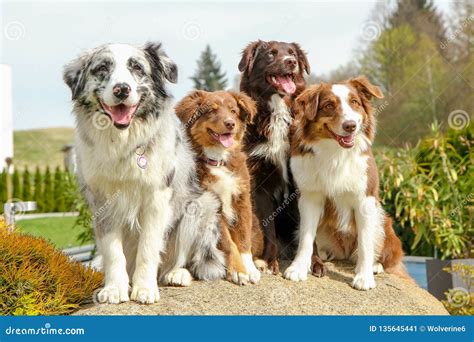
(189, 109)
(248, 56)
(74, 74)
(302, 58)
(308, 101)
(247, 107)
(160, 62)
(364, 87)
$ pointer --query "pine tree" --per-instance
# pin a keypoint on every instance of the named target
(423, 17)
(38, 191)
(26, 185)
(48, 195)
(59, 205)
(3, 189)
(16, 185)
(208, 75)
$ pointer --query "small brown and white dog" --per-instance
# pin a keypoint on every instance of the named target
(216, 124)
(335, 171)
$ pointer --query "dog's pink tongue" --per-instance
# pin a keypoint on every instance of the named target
(122, 114)
(226, 140)
(287, 84)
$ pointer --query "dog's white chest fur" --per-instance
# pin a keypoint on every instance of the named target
(332, 170)
(225, 188)
(278, 145)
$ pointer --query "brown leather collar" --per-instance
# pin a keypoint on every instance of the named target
(213, 162)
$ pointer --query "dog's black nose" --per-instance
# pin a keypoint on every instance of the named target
(349, 126)
(291, 62)
(121, 90)
(229, 123)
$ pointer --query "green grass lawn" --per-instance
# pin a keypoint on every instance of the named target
(59, 230)
(41, 147)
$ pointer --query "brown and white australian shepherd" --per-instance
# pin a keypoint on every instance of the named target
(334, 169)
(272, 75)
(216, 123)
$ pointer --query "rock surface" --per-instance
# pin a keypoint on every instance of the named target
(331, 295)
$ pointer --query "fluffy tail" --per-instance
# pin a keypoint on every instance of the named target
(392, 253)
(207, 262)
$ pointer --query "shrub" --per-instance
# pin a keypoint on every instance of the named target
(428, 189)
(37, 279)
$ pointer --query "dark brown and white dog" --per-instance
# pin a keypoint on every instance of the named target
(272, 74)
(335, 171)
(216, 124)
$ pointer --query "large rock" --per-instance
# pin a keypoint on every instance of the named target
(331, 295)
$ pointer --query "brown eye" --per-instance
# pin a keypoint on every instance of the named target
(103, 68)
(291, 52)
(355, 102)
(329, 106)
(233, 111)
(137, 67)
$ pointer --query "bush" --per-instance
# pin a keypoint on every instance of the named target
(37, 279)
(428, 189)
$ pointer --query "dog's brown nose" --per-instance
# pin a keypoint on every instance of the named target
(229, 123)
(291, 62)
(349, 126)
(121, 90)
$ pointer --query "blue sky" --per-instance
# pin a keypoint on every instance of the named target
(38, 38)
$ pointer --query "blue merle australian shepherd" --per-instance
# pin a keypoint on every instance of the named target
(137, 169)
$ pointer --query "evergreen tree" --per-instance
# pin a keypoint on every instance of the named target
(208, 75)
(48, 194)
(16, 185)
(26, 186)
(59, 190)
(38, 190)
(423, 17)
(3, 189)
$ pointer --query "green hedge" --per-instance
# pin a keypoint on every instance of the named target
(53, 191)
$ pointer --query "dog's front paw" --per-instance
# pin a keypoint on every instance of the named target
(113, 294)
(179, 277)
(251, 269)
(273, 267)
(297, 272)
(238, 278)
(364, 281)
(378, 268)
(318, 269)
(145, 294)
